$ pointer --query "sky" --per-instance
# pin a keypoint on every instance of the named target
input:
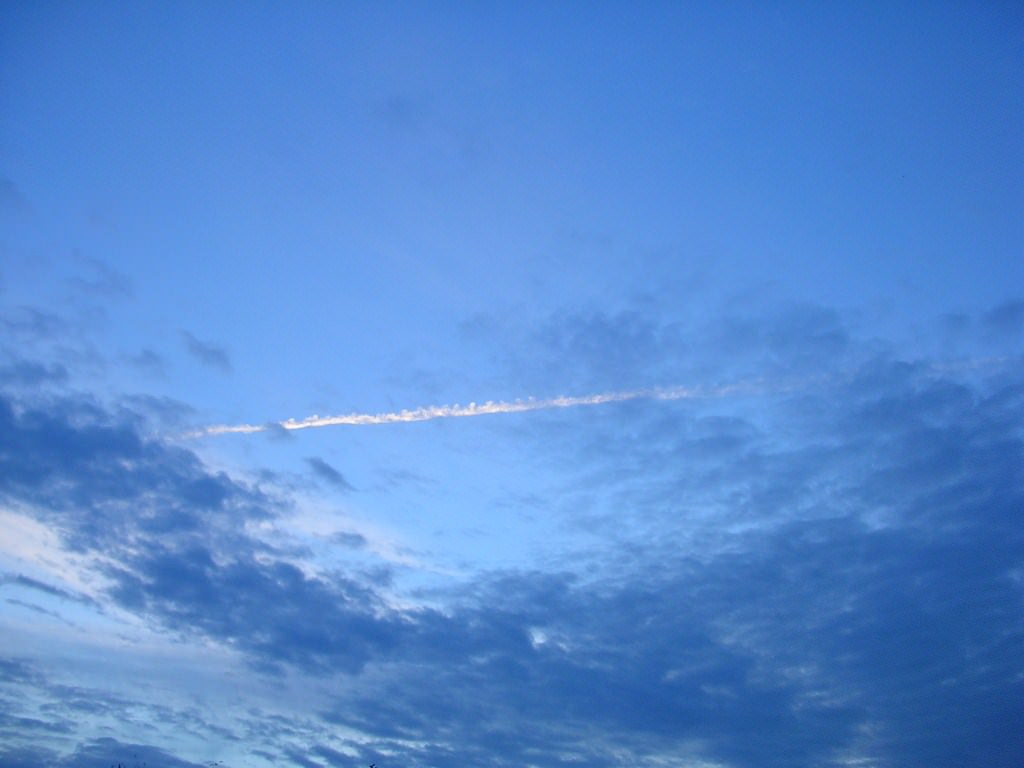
(511, 384)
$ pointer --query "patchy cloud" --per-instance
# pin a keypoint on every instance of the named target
(99, 279)
(171, 534)
(210, 355)
(832, 576)
(1006, 319)
(326, 472)
(28, 373)
(680, 438)
(149, 361)
(350, 539)
(857, 620)
(106, 750)
(26, 582)
(32, 324)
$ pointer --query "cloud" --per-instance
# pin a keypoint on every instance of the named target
(640, 346)
(860, 601)
(36, 609)
(264, 609)
(17, 579)
(821, 641)
(102, 483)
(607, 350)
(39, 348)
(27, 757)
(170, 537)
(28, 373)
(210, 355)
(99, 279)
(489, 408)
(325, 471)
(108, 751)
(1006, 319)
(831, 577)
(148, 361)
(801, 346)
(31, 324)
(141, 715)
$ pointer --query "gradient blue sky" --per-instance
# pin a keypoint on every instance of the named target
(803, 220)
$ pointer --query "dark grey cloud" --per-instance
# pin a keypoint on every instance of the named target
(14, 725)
(784, 655)
(16, 670)
(332, 756)
(27, 757)
(33, 704)
(209, 354)
(175, 531)
(107, 751)
(295, 757)
(865, 605)
(647, 679)
(29, 324)
(326, 472)
(42, 349)
(273, 612)
(103, 484)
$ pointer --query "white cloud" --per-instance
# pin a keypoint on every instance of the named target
(491, 407)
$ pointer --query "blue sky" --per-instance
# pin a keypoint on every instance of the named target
(680, 347)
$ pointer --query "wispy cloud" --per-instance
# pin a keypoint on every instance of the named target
(208, 354)
(491, 407)
(859, 624)
(747, 387)
(326, 472)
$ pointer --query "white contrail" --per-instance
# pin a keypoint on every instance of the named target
(429, 413)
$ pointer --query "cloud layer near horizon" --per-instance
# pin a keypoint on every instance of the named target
(834, 577)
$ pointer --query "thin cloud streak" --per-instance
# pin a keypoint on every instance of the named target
(491, 407)
(429, 413)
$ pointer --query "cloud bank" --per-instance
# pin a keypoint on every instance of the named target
(430, 413)
(830, 578)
